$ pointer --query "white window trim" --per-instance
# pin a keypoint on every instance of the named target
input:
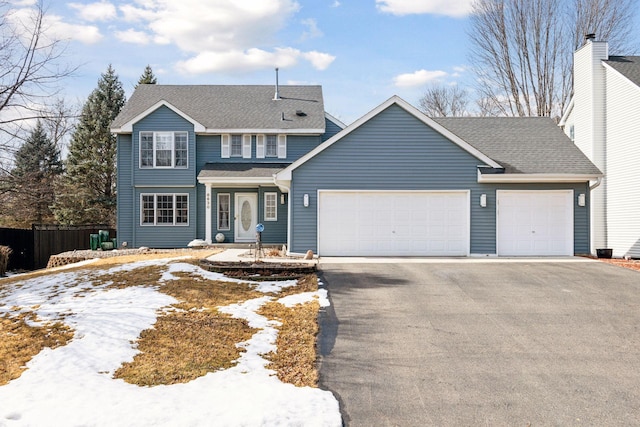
(275, 204)
(155, 210)
(173, 150)
(218, 212)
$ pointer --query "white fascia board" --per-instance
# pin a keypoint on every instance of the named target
(339, 122)
(128, 127)
(285, 174)
(610, 68)
(229, 181)
(516, 178)
(566, 114)
(262, 130)
(163, 186)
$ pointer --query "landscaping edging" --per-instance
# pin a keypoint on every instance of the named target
(259, 270)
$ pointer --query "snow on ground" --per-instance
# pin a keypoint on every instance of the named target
(72, 385)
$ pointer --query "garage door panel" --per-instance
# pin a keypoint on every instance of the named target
(532, 223)
(394, 223)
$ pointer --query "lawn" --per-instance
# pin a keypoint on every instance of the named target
(159, 341)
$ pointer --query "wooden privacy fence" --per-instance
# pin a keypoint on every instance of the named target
(32, 248)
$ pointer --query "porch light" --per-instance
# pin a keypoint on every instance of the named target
(305, 200)
(582, 200)
(282, 199)
(483, 200)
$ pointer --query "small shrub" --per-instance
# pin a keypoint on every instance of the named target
(5, 251)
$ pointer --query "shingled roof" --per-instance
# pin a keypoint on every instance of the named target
(522, 145)
(220, 107)
(628, 66)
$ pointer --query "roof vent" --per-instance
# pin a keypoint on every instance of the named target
(276, 97)
(590, 37)
(300, 113)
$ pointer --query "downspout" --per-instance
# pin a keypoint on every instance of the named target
(286, 189)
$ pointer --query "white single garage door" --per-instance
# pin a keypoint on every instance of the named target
(393, 223)
(535, 223)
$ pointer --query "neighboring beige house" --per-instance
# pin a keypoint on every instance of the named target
(603, 120)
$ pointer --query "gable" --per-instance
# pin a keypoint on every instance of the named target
(403, 110)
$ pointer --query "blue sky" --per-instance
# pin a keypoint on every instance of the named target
(360, 51)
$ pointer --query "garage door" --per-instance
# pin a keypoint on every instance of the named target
(393, 223)
(534, 223)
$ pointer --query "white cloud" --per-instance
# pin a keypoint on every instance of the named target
(133, 36)
(100, 11)
(132, 13)
(56, 28)
(454, 8)
(251, 60)
(319, 60)
(417, 78)
(312, 29)
(336, 3)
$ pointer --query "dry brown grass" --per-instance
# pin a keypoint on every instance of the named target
(183, 346)
(20, 342)
(295, 360)
(189, 342)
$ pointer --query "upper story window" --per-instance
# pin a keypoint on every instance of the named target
(242, 146)
(236, 145)
(164, 149)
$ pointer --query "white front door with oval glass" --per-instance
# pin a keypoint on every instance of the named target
(246, 217)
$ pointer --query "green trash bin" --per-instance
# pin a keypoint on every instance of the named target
(94, 241)
(104, 236)
(115, 243)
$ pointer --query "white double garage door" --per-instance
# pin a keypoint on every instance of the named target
(437, 223)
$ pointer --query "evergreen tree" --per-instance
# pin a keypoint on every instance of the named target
(37, 164)
(86, 194)
(147, 78)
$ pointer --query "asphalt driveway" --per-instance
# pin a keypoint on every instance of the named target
(414, 344)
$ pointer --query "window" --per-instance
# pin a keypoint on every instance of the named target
(270, 206)
(164, 209)
(271, 146)
(164, 149)
(224, 204)
(236, 145)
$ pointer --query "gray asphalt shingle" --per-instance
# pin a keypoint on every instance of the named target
(521, 144)
(628, 66)
(233, 107)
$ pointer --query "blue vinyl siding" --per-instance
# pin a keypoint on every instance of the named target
(274, 231)
(396, 151)
(165, 236)
(331, 129)
(297, 146)
(164, 119)
(125, 217)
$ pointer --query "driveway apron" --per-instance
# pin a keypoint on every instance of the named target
(482, 343)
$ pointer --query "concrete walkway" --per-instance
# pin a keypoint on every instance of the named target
(240, 254)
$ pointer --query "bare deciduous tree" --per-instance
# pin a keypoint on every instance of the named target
(522, 50)
(31, 67)
(444, 101)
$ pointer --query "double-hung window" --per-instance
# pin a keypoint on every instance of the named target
(164, 149)
(224, 211)
(164, 209)
(270, 206)
(236, 145)
(271, 146)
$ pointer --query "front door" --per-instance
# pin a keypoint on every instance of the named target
(246, 217)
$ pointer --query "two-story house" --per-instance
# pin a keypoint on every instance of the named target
(603, 120)
(198, 161)
(202, 161)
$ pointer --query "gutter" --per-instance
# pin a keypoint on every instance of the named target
(596, 184)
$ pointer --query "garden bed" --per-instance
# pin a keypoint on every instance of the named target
(260, 270)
